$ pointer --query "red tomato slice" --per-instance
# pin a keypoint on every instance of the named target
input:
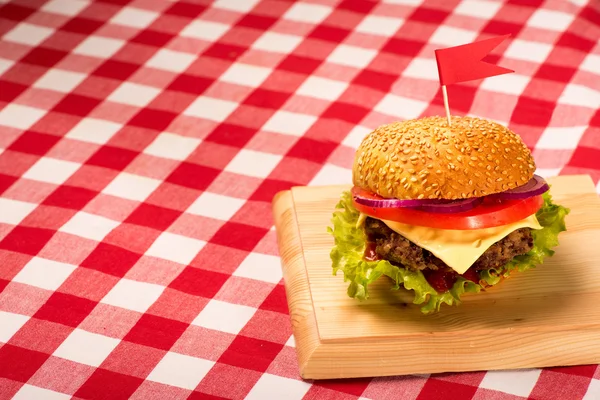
(488, 214)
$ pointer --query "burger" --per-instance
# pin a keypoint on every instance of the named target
(442, 210)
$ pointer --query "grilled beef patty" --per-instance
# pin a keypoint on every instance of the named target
(395, 248)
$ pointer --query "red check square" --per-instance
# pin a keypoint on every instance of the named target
(70, 197)
(111, 260)
(11, 91)
(112, 157)
(195, 85)
(153, 119)
(239, 236)
(193, 176)
(121, 386)
(159, 218)
(76, 105)
(250, 353)
(19, 364)
(276, 301)
(26, 240)
(115, 69)
(157, 332)
(433, 387)
(65, 309)
(199, 282)
(44, 57)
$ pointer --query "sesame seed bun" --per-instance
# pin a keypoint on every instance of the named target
(427, 159)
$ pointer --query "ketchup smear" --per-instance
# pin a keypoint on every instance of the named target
(441, 279)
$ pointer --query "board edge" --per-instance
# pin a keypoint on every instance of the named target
(295, 276)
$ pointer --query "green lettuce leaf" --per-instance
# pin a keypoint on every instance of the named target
(350, 242)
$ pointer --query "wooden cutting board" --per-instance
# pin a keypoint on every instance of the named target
(548, 316)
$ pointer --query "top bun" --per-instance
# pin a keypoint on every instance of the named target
(427, 159)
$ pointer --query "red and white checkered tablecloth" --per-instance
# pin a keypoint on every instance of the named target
(142, 141)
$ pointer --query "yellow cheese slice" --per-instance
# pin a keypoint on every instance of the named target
(459, 249)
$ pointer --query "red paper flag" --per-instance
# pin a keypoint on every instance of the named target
(463, 63)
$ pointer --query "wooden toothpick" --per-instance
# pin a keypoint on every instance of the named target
(446, 106)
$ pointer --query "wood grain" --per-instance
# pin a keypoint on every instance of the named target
(545, 317)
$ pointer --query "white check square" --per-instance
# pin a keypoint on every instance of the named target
(224, 317)
(89, 226)
(508, 83)
(133, 295)
(593, 391)
(277, 42)
(20, 117)
(60, 80)
(591, 63)
(205, 30)
(65, 7)
(289, 123)
(94, 130)
(245, 75)
(86, 348)
(322, 88)
(547, 172)
(10, 324)
(517, 382)
(134, 17)
(303, 12)
(528, 51)
(262, 267)
(253, 163)
(561, 137)
(579, 95)
(277, 387)
(43, 273)
(216, 206)
(14, 211)
(174, 147)
(176, 248)
(422, 68)
(180, 370)
(51, 170)
(549, 19)
(376, 25)
(332, 175)
(236, 5)
(449, 36)
(169, 60)
(291, 341)
(210, 108)
(28, 34)
(351, 56)
(5, 65)
(356, 136)
(28, 392)
(101, 47)
(478, 8)
(402, 107)
(134, 94)
(132, 187)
